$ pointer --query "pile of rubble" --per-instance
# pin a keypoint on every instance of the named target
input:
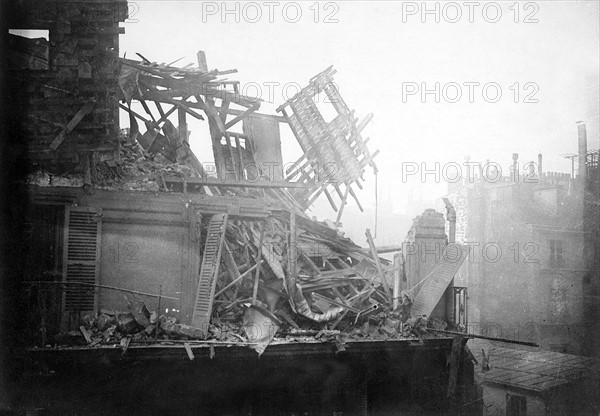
(287, 278)
(138, 325)
(135, 170)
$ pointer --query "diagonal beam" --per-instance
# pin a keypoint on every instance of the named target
(242, 115)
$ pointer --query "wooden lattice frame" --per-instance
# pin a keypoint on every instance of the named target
(334, 153)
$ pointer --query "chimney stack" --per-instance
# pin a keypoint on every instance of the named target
(540, 171)
(515, 158)
(582, 149)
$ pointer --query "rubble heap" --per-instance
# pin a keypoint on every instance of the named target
(336, 292)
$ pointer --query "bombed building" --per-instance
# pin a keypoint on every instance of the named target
(138, 275)
(141, 279)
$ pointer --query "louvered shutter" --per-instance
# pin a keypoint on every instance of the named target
(209, 272)
(81, 260)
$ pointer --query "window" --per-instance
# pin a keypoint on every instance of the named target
(556, 253)
(516, 405)
(28, 49)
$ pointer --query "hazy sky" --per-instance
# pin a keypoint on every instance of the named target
(382, 49)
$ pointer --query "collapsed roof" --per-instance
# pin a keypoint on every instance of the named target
(286, 271)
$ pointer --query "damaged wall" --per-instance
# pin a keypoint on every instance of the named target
(64, 98)
(145, 244)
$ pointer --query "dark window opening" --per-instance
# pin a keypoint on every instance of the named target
(516, 405)
(43, 262)
(28, 49)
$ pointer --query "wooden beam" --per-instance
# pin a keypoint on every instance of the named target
(311, 263)
(236, 112)
(240, 154)
(156, 95)
(237, 279)
(84, 111)
(215, 135)
(398, 262)
(292, 247)
(341, 211)
(166, 115)
(229, 261)
(258, 262)
(159, 108)
(223, 110)
(217, 131)
(330, 198)
(388, 249)
(234, 184)
(133, 113)
(242, 115)
(182, 123)
(364, 122)
(356, 199)
(147, 109)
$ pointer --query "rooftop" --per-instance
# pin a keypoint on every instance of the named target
(535, 370)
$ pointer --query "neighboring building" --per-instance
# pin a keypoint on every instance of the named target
(527, 274)
(431, 259)
(591, 223)
(520, 382)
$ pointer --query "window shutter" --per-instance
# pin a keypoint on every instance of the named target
(81, 258)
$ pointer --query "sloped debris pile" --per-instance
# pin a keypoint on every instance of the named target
(138, 325)
(138, 169)
(113, 328)
(135, 170)
(284, 279)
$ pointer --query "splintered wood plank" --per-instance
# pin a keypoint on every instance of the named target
(157, 95)
(182, 123)
(223, 111)
(147, 109)
(343, 204)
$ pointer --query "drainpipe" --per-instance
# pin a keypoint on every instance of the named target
(451, 217)
(398, 272)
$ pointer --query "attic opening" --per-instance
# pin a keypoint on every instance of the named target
(29, 49)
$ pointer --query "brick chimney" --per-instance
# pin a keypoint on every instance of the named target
(425, 250)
